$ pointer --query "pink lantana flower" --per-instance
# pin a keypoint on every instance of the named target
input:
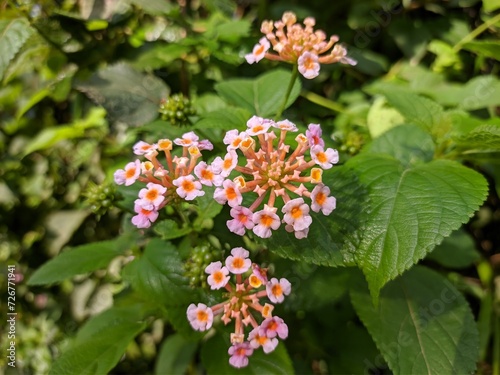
(297, 214)
(225, 166)
(188, 188)
(265, 220)
(259, 338)
(218, 275)
(238, 261)
(324, 158)
(321, 201)
(129, 174)
(258, 52)
(314, 134)
(258, 125)
(242, 220)
(200, 316)
(187, 140)
(228, 193)
(142, 148)
(144, 217)
(275, 326)
(277, 290)
(239, 354)
(243, 306)
(207, 175)
(233, 139)
(308, 65)
(152, 197)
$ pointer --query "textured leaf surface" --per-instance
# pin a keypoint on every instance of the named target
(333, 239)
(422, 324)
(225, 119)
(127, 95)
(98, 354)
(13, 34)
(484, 138)
(158, 275)
(81, 259)
(175, 356)
(262, 96)
(412, 210)
(168, 230)
(216, 360)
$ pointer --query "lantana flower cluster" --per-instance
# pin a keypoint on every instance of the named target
(243, 306)
(181, 177)
(297, 44)
(271, 170)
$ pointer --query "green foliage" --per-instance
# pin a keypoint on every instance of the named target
(422, 324)
(456, 251)
(216, 361)
(13, 34)
(262, 96)
(175, 356)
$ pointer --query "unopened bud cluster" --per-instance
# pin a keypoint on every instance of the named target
(243, 307)
(177, 109)
(201, 256)
(100, 198)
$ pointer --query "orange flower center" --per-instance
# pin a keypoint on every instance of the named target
(218, 276)
(188, 185)
(261, 339)
(202, 316)
(296, 212)
(206, 174)
(152, 194)
(227, 163)
(259, 50)
(320, 198)
(309, 63)
(322, 157)
(130, 173)
(266, 220)
(242, 218)
(273, 326)
(231, 193)
(238, 262)
(276, 289)
(241, 352)
(258, 128)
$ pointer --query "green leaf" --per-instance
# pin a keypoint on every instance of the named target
(262, 96)
(76, 261)
(50, 136)
(168, 230)
(456, 251)
(486, 48)
(480, 92)
(446, 56)
(490, 6)
(232, 30)
(415, 108)
(422, 324)
(98, 354)
(13, 34)
(412, 209)
(224, 119)
(158, 275)
(332, 240)
(127, 95)
(215, 359)
(175, 356)
(382, 118)
(407, 143)
(484, 138)
(159, 56)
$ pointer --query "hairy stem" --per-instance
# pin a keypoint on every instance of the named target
(293, 78)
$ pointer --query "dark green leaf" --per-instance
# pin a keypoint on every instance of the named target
(127, 95)
(79, 260)
(262, 96)
(216, 360)
(175, 356)
(332, 240)
(456, 251)
(486, 48)
(406, 143)
(168, 230)
(484, 138)
(158, 275)
(224, 119)
(13, 34)
(412, 210)
(422, 324)
(99, 354)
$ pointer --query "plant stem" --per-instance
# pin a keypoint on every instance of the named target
(496, 342)
(293, 78)
(475, 33)
(322, 101)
